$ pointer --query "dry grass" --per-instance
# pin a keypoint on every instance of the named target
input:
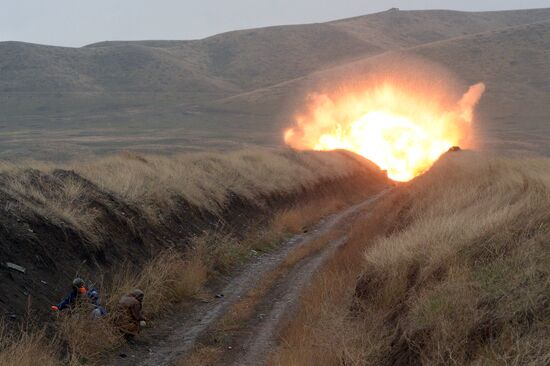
(158, 185)
(86, 339)
(462, 279)
(26, 348)
(207, 179)
(170, 277)
(64, 201)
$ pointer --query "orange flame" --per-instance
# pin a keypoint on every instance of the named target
(402, 130)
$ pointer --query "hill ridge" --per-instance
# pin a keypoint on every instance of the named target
(135, 87)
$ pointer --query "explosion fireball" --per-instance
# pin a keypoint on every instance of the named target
(402, 128)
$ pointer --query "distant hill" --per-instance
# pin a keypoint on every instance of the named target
(240, 87)
(514, 62)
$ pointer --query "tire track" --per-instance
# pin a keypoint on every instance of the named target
(179, 340)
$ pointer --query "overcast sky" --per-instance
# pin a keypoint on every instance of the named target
(80, 22)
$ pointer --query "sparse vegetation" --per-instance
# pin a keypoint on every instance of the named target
(26, 348)
(456, 271)
(81, 340)
(64, 200)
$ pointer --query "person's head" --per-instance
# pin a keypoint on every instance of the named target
(93, 295)
(79, 285)
(138, 294)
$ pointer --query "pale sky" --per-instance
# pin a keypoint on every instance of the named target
(79, 22)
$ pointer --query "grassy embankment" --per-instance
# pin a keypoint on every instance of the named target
(157, 188)
(455, 270)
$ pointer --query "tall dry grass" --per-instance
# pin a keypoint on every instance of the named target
(82, 340)
(208, 179)
(158, 185)
(78, 339)
(168, 278)
(26, 348)
(60, 200)
(462, 278)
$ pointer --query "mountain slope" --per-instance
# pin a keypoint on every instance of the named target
(513, 62)
(404, 29)
(243, 86)
(120, 67)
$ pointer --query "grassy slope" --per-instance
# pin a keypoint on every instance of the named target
(455, 271)
(472, 267)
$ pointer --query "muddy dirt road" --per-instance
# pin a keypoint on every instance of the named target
(171, 341)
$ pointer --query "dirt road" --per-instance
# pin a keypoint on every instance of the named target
(170, 341)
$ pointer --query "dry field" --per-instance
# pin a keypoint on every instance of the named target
(454, 271)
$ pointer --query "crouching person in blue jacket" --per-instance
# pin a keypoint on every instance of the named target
(79, 293)
(75, 297)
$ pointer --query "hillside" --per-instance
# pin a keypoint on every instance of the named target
(513, 62)
(242, 87)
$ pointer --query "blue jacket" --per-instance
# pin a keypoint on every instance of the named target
(92, 295)
(69, 300)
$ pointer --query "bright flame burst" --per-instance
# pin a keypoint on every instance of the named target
(403, 131)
